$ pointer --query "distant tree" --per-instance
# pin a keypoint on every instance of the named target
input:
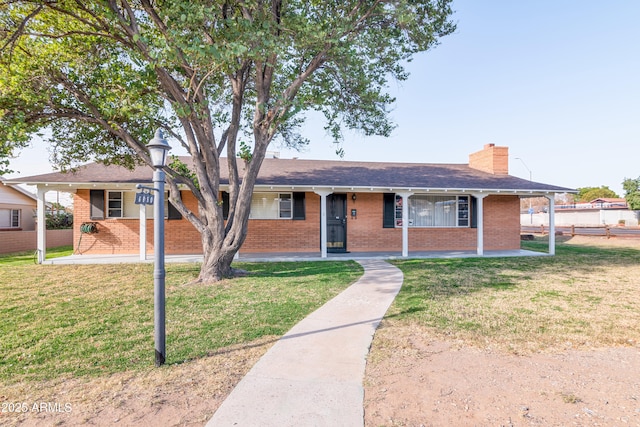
(59, 220)
(101, 76)
(587, 194)
(632, 192)
(57, 207)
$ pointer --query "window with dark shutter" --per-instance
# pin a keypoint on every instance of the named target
(96, 199)
(298, 206)
(225, 205)
(474, 212)
(388, 212)
(173, 213)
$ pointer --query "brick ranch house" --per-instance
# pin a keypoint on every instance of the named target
(317, 206)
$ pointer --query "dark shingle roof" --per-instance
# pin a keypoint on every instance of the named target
(323, 173)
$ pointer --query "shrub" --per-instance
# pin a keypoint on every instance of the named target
(59, 221)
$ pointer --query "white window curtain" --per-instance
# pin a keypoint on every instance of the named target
(433, 211)
(264, 206)
(271, 206)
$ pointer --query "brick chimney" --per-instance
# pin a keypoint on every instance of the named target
(491, 159)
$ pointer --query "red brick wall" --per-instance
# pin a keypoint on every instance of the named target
(122, 235)
(501, 222)
(180, 236)
(442, 239)
(114, 235)
(364, 233)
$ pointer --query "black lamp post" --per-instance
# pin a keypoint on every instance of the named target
(158, 149)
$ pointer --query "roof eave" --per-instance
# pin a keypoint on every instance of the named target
(73, 186)
(380, 189)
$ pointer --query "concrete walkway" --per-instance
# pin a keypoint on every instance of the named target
(313, 375)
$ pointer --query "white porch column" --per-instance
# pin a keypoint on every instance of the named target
(480, 222)
(405, 223)
(323, 222)
(42, 225)
(552, 224)
(143, 232)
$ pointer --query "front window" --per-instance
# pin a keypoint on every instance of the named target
(115, 204)
(9, 218)
(435, 211)
(271, 206)
(122, 204)
(284, 205)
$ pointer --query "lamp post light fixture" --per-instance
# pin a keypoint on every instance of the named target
(158, 149)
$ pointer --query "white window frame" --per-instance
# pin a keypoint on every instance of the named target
(462, 216)
(281, 205)
(14, 218)
(109, 207)
(285, 205)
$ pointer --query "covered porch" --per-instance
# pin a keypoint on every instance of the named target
(294, 257)
(393, 252)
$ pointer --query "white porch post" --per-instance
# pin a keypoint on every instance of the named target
(405, 223)
(42, 225)
(143, 232)
(323, 222)
(480, 222)
(552, 224)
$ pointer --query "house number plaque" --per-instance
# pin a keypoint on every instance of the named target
(144, 198)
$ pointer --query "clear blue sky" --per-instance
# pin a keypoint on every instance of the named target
(558, 82)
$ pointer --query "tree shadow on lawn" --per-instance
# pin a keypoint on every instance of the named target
(280, 269)
(300, 269)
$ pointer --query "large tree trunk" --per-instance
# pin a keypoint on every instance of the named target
(216, 266)
(217, 259)
(222, 240)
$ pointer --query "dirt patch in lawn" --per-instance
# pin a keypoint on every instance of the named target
(412, 380)
(601, 241)
(184, 394)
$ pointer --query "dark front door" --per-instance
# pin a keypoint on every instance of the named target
(337, 223)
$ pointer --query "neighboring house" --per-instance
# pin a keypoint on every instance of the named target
(596, 213)
(609, 203)
(318, 206)
(18, 225)
(17, 208)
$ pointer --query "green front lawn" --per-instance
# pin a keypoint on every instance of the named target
(77, 320)
(30, 257)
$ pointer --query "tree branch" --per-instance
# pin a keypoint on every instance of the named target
(20, 30)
